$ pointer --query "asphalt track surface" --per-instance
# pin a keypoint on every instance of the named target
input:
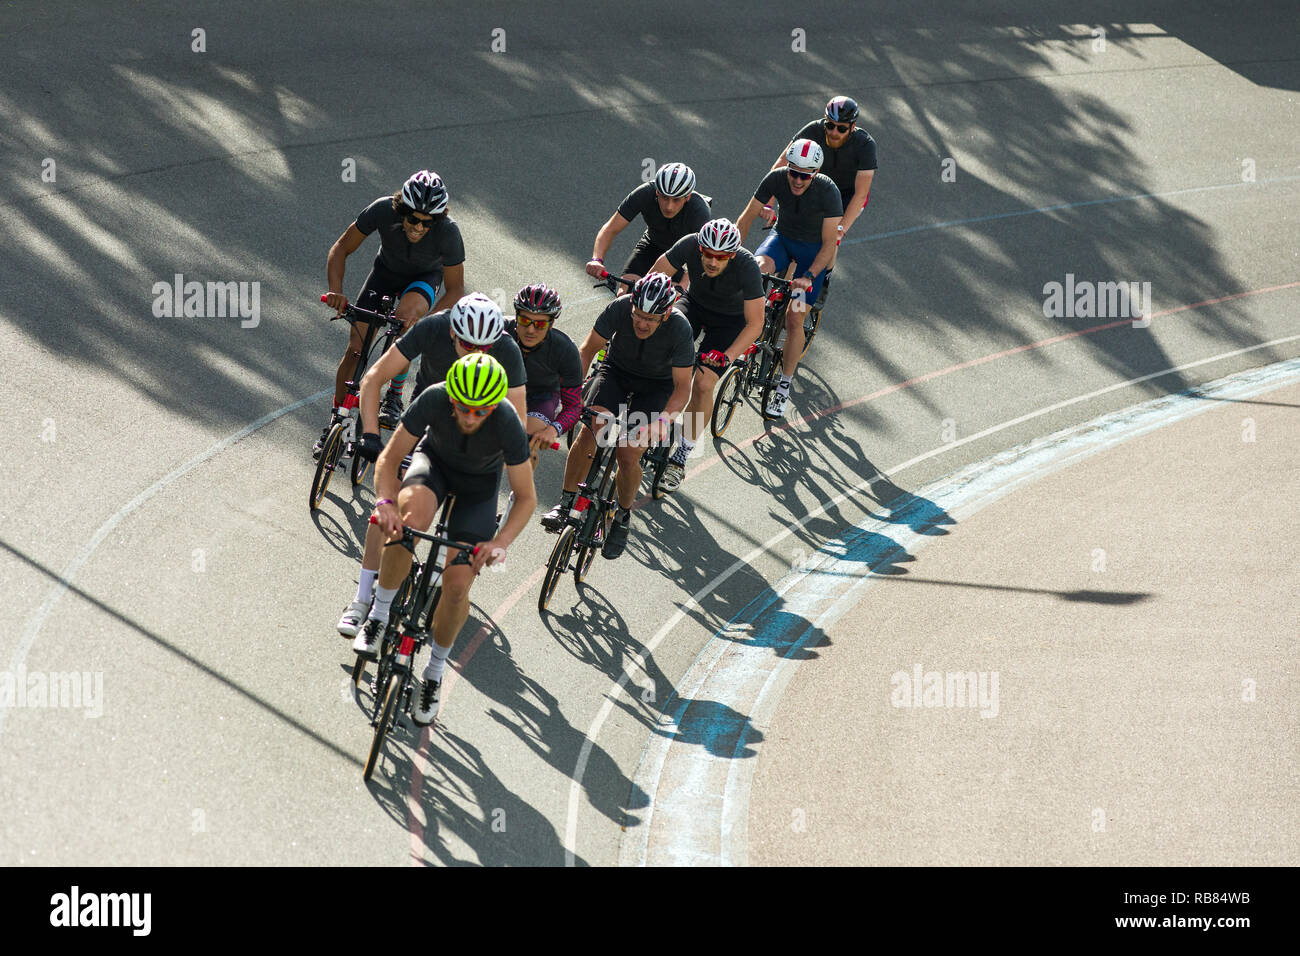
(154, 528)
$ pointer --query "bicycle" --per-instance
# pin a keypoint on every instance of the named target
(342, 439)
(759, 369)
(591, 514)
(413, 607)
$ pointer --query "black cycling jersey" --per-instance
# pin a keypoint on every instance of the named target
(551, 366)
(842, 165)
(441, 245)
(662, 232)
(430, 338)
(669, 346)
(800, 217)
(727, 293)
(501, 439)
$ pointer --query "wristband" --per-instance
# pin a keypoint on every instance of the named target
(598, 259)
(383, 501)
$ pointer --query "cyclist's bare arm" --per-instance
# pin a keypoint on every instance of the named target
(613, 226)
(663, 265)
(747, 217)
(681, 391)
(592, 344)
(453, 285)
(518, 398)
(372, 383)
(830, 233)
(861, 188)
(387, 484)
(343, 247)
(752, 330)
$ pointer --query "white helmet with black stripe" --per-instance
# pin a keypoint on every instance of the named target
(424, 192)
(719, 235)
(654, 293)
(674, 180)
(476, 319)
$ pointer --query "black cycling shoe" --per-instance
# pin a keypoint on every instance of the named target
(554, 519)
(320, 442)
(616, 540)
(391, 409)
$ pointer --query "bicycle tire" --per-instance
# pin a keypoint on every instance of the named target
(360, 466)
(358, 668)
(330, 454)
(387, 717)
(555, 567)
(660, 462)
(606, 501)
(810, 330)
(729, 391)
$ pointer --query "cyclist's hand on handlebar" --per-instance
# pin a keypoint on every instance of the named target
(803, 282)
(714, 358)
(548, 437)
(389, 520)
(489, 552)
(370, 446)
(337, 301)
(596, 269)
(767, 214)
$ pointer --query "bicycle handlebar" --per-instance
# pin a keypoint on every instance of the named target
(408, 534)
(351, 310)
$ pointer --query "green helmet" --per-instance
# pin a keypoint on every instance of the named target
(477, 379)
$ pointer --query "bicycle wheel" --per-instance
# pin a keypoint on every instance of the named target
(387, 717)
(810, 329)
(330, 454)
(659, 461)
(726, 400)
(588, 553)
(555, 567)
(360, 467)
(769, 381)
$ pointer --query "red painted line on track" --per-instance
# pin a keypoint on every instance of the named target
(463, 659)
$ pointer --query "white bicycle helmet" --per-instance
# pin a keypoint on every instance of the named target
(674, 180)
(719, 235)
(424, 192)
(654, 293)
(804, 154)
(476, 319)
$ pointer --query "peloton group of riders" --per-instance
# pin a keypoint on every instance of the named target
(457, 433)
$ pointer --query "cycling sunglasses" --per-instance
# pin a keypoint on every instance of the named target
(717, 255)
(478, 411)
(800, 176)
(525, 323)
(838, 127)
(471, 347)
(414, 221)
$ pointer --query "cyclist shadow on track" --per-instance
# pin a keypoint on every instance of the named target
(357, 513)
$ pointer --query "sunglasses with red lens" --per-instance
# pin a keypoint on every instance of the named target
(526, 323)
(709, 254)
(478, 411)
(794, 174)
(471, 347)
(838, 127)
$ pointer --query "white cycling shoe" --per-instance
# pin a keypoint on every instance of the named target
(776, 404)
(353, 615)
(424, 708)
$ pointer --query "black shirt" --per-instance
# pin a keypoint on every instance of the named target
(440, 246)
(553, 365)
(843, 165)
(663, 232)
(500, 439)
(727, 293)
(430, 338)
(669, 346)
(800, 217)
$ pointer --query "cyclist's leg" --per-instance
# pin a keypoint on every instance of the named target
(772, 254)
(374, 287)
(796, 311)
(417, 299)
(473, 521)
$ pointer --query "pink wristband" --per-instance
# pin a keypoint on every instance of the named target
(383, 501)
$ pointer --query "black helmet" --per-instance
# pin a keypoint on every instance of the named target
(538, 298)
(842, 109)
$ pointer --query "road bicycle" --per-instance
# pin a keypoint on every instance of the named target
(758, 371)
(343, 435)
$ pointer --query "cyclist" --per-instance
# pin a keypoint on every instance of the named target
(474, 324)
(724, 299)
(646, 376)
(805, 234)
(551, 360)
(670, 207)
(420, 246)
(849, 159)
(464, 437)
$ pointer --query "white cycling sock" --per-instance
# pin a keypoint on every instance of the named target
(366, 586)
(437, 662)
(383, 603)
(785, 382)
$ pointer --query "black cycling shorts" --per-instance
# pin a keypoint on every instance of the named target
(384, 282)
(645, 255)
(474, 515)
(719, 329)
(622, 393)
